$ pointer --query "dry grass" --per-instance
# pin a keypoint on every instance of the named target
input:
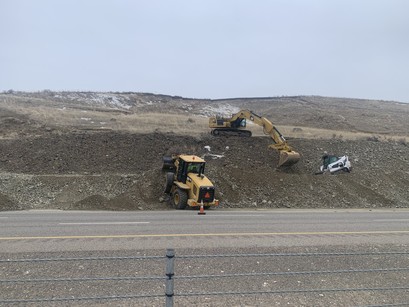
(83, 117)
(325, 134)
(159, 122)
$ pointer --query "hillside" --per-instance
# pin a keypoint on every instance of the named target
(83, 150)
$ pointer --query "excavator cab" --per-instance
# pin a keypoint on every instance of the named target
(239, 123)
(222, 122)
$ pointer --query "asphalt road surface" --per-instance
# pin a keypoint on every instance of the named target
(31, 231)
(367, 251)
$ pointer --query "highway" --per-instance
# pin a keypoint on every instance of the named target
(50, 230)
(356, 257)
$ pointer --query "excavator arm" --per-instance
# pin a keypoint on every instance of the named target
(288, 156)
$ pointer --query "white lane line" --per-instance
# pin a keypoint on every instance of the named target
(392, 220)
(236, 215)
(105, 223)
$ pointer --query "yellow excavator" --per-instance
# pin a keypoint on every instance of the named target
(236, 125)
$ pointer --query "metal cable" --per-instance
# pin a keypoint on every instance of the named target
(66, 299)
(134, 278)
(293, 255)
(291, 291)
(293, 273)
(84, 259)
(125, 278)
(204, 256)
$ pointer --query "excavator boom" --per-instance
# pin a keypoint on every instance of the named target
(236, 124)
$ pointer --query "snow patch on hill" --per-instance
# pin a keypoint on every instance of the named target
(225, 110)
(109, 100)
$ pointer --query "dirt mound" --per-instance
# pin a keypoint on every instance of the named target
(7, 204)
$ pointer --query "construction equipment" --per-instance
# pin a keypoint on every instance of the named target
(334, 164)
(236, 125)
(186, 183)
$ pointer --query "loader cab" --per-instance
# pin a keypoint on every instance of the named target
(196, 168)
(189, 164)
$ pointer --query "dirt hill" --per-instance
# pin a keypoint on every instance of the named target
(76, 150)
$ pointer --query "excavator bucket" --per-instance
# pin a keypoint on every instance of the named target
(288, 158)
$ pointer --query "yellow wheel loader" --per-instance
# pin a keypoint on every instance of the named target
(236, 125)
(186, 183)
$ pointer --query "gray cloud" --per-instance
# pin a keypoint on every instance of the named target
(208, 49)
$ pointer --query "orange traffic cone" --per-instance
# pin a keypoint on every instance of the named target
(201, 211)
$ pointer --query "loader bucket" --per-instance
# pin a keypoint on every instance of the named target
(288, 158)
(168, 163)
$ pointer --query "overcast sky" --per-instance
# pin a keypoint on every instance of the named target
(209, 48)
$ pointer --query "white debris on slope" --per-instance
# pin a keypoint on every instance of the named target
(127, 101)
(224, 109)
(214, 156)
(111, 100)
(116, 101)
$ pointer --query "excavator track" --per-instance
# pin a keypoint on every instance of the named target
(231, 132)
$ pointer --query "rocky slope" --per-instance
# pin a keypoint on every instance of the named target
(57, 165)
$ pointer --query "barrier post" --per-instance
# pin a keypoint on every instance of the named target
(170, 271)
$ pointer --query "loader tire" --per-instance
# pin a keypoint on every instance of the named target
(168, 182)
(179, 199)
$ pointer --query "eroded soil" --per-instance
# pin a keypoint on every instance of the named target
(52, 165)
